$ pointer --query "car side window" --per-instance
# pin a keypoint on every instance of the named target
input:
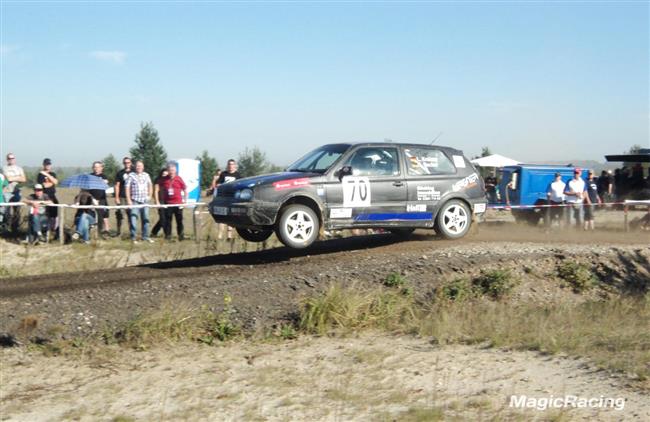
(427, 161)
(374, 161)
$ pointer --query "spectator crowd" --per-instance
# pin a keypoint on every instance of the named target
(134, 188)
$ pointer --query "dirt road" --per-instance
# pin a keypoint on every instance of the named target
(267, 286)
(373, 377)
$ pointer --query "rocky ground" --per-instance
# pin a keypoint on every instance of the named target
(311, 378)
(267, 286)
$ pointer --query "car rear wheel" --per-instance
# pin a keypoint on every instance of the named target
(253, 235)
(453, 219)
(298, 226)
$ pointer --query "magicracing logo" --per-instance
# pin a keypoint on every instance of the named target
(567, 401)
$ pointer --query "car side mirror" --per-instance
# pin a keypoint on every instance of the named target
(344, 171)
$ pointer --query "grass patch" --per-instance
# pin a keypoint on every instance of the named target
(495, 284)
(614, 334)
(577, 275)
(349, 309)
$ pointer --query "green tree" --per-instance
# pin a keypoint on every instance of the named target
(634, 149)
(253, 162)
(111, 167)
(148, 149)
(485, 152)
(208, 166)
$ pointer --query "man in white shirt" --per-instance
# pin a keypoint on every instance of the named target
(555, 196)
(575, 195)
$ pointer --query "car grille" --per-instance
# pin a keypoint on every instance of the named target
(225, 191)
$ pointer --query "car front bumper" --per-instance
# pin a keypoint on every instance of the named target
(250, 214)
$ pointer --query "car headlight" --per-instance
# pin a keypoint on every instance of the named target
(244, 194)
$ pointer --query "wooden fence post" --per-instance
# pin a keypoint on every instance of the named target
(62, 225)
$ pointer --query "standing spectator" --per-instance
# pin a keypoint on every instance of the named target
(491, 188)
(213, 184)
(37, 214)
(591, 199)
(605, 186)
(555, 196)
(574, 195)
(100, 196)
(174, 192)
(230, 175)
(120, 192)
(14, 175)
(85, 217)
(157, 195)
(138, 192)
(47, 178)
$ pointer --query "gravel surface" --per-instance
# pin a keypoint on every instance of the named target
(267, 287)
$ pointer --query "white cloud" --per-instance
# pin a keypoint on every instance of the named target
(117, 57)
(6, 49)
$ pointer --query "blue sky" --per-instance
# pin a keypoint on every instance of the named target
(534, 81)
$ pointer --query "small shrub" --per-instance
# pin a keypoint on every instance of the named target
(287, 332)
(458, 289)
(394, 280)
(495, 283)
(579, 276)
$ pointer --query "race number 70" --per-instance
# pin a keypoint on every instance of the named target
(356, 192)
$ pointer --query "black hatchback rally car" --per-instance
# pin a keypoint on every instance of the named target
(397, 187)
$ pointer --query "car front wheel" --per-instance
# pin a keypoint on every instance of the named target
(454, 219)
(252, 235)
(298, 226)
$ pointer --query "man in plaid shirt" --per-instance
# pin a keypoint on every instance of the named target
(138, 192)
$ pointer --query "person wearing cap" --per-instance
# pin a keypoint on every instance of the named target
(591, 199)
(37, 202)
(574, 194)
(47, 178)
(14, 175)
(555, 196)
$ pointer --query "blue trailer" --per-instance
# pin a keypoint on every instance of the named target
(526, 184)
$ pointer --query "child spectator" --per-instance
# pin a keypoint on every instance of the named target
(37, 215)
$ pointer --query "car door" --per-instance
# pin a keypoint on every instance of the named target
(430, 174)
(375, 191)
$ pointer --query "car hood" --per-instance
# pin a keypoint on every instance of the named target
(250, 182)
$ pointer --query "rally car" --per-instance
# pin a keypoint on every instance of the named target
(396, 187)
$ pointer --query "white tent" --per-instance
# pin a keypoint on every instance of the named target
(494, 160)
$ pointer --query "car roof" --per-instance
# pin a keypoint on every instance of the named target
(399, 144)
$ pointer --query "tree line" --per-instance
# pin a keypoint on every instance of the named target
(149, 149)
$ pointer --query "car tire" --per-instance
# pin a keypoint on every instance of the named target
(254, 235)
(403, 233)
(454, 219)
(298, 226)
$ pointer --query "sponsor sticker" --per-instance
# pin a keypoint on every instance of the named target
(427, 193)
(356, 192)
(341, 213)
(320, 191)
(291, 184)
(416, 207)
(479, 208)
(465, 183)
(459, 161)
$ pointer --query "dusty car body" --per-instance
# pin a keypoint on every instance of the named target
(398, 187)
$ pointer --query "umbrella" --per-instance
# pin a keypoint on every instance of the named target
(494, 160)
(84, 181)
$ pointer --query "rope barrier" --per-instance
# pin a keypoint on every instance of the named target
(106, 207)
(570, 204)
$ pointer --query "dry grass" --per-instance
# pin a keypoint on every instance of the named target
(615, 334)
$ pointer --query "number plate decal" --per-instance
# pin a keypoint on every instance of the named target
(220, 210)
(356, 192)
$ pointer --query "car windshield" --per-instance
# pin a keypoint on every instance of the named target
(319, 160)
